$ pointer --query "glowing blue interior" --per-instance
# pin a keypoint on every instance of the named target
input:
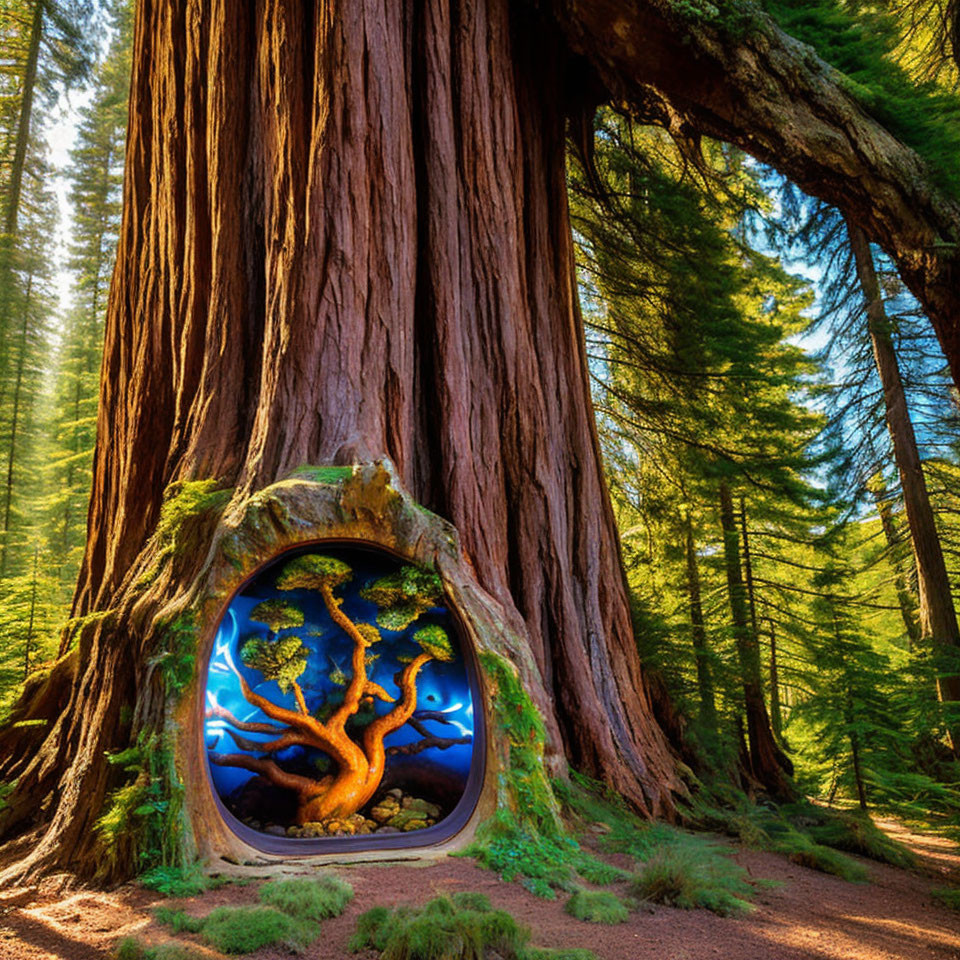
(445, 706)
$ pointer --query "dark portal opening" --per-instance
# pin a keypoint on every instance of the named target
(340, 705)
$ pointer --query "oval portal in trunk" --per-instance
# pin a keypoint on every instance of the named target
(339, 705)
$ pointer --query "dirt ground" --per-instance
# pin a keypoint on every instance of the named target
(810, 915)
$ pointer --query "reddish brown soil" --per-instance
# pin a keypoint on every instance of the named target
(811, 916)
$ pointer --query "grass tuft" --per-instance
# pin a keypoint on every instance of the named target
(947, 896)
(461, 927)
(245, 929)
(289, 916)
(678, 876)
(597, 906)
(132, 949)
(308, 899)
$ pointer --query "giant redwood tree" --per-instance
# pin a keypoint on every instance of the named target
(345, 240)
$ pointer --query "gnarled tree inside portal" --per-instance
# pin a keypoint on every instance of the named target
(401, 598)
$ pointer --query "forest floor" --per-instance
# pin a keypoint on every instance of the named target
(807, 915)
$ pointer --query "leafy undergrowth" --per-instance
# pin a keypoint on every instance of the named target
(185, 881)
(289, 916)
(542, 864)
(463, 926)
(807, 834)
(597, 906)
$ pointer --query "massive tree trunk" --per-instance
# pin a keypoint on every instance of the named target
(938, 618)
(739, 78)
(345, 237)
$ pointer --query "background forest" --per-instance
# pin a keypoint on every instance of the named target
(779, 428)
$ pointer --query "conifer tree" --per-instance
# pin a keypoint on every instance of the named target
(95, 176)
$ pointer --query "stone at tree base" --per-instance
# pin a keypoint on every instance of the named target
(429, 810)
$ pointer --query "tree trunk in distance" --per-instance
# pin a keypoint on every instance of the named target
(938, 618)
(12, 213)
(14, 422)
(748, 570)
(708, 705)
(345, 237)
(776, 716)
(906, 599)
(769, 765)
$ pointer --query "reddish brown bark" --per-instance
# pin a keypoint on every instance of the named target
(345, 236)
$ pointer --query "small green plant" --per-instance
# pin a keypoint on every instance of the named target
(308, 899)
(947, 896)
(243, 929)
(597, 906)
(461, 927)
(132, 949)
(677, 876)
(180, 881)
(542, 864)
(142, 820)
(5, 790)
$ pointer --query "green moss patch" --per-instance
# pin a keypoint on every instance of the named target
(330, 475)
(461, 927)
(597, 906)
(243, 929)
(947, 896)
(308, 899)
(809, 835)
(132, 949)
(289, 916)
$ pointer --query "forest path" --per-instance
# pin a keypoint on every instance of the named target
(809, 916)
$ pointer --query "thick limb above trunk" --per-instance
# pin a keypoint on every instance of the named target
(751, 84)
